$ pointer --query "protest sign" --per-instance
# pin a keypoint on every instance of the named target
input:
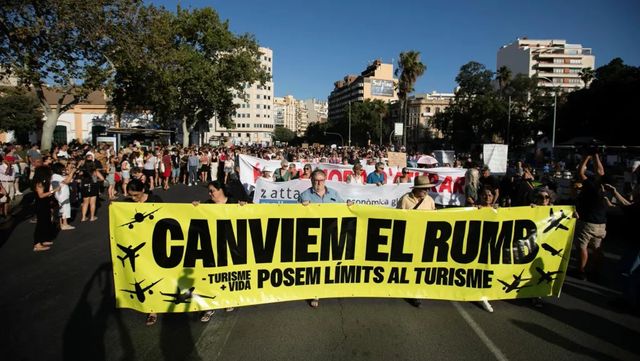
(181, 258)
(449, 182)
(495, 156)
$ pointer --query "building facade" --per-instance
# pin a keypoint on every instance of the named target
(254, 119)
(421, 108)
(556, 63)
(317, 111)
(375, 82)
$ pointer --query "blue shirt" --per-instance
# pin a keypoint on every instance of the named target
(374, 178)
(330, 196)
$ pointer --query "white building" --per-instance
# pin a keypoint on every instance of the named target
(317, 111)
(254, 120)
(556, 63)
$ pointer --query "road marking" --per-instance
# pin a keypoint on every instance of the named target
(478, 330)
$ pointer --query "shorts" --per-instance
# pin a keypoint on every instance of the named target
(125, 175)
(228, 170)
(175, 172)
(149, 173)
(589, 234)
(65, 209)
(9, 188)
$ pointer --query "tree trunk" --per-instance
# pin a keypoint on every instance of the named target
(185, 132)
(48, 128)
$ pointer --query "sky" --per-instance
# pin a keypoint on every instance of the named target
(316, 43)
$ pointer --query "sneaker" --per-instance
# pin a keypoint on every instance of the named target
(206, 316)
(486, 305)
(417, 303)
(189, 184)
(67, 227)
(18, 193)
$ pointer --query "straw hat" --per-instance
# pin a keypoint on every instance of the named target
(422, 181)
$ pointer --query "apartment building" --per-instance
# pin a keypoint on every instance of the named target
(556, 63)
(375, 82)
(254, 119)
(317, 111)
(421, 109)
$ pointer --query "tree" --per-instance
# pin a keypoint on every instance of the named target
(410, 69)
(503, 75)
(283, 134)
(606, 109)
(587, 75)
(46, 44)
(192, 67)
(19, 111)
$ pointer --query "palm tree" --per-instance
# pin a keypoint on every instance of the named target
(380, 108)
(503, 75)
(587, 75)
(410, 69)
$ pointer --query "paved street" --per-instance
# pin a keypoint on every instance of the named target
(59, 305)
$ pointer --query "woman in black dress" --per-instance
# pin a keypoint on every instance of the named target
(45, 228)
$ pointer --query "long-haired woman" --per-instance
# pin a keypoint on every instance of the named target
(45, 228)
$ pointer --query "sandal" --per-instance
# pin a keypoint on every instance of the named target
(93, 219)
(151, 319)
(40, 248)
(229, 309)
(47, 244)
(314, 303)
(206, 316)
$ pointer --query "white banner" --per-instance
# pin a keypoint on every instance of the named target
(449, 189)
(288, 192)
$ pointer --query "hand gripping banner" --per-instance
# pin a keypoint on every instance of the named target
(180, 257)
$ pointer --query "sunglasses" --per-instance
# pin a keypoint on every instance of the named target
(544, 196)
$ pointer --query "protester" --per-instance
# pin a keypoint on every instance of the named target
(319, 193)
(45, 230)
(487, 179)
(592, 215)
(7, 178)
(217, 195)
(282, 174)
(418, 199)
(404, 178)
(377, 177)
(149, 168)
(471, 186)
(306, 172)
(193, 162)
(358, 176)
(486, 200)
(89, 176)
(61, 178)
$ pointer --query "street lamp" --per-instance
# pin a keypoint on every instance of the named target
(508, 91)
(338, 134)
(349, 124)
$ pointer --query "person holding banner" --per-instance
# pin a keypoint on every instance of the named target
(140, 193)
(486, 200)
(282, 174)
(319, 193)
(377, 177)
(217, 195)
(418, 199)
(357, 176)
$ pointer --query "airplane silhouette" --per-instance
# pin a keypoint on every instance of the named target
(555, 223)
(554, 252)
(183, 296)
(139, 292)
(130, 254)
(139, 217)
(546, 276)
(515, 285)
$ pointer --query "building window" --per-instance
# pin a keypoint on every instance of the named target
(248, 135)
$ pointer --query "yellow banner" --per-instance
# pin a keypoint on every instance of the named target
(180, 257)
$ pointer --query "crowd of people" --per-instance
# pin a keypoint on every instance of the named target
(82, 175)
